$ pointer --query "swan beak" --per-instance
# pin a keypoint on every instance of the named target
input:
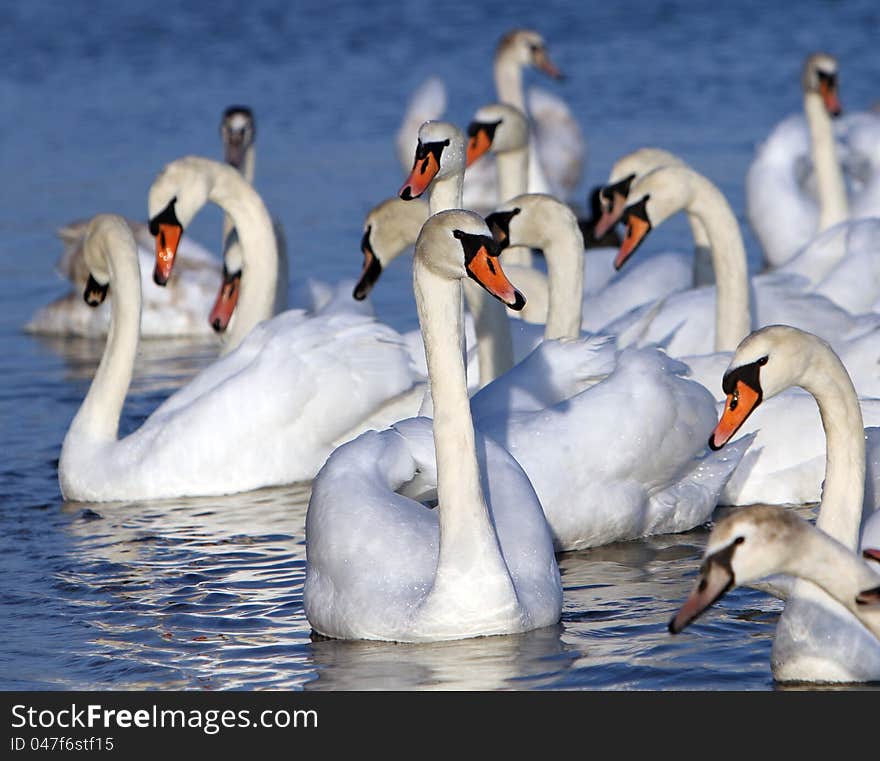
(234, 148)
(424, 170)
(636, 230)
(610, 215)
(371, 271)
(227, 298)
(543, 63)
(716, 578)
(871, 554)
(481, 264)
(740, 404)
(479, 142)
(95, 293)
(167, 240)
(828, 91)
(868, 596)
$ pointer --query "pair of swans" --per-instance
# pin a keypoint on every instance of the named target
(796, 186)
(829, 636)
(558, 149)
(184, 306)
(268, 412)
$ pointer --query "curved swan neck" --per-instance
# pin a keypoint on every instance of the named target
(732, 314)
(98, 417)
(259, 252)
(446, 193)
(835, 569)
(247, 171)
(840, 512)
(468, 543)
(830, 187)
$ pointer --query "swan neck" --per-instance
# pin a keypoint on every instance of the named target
(830, 187)
(467, 537)
(98, 417)
(513, 173)
(446, 193)
(259, 251)
(508, 82)
(564, 253)
(732, 313)
(840, 511)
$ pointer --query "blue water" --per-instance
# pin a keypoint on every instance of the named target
(98, 96)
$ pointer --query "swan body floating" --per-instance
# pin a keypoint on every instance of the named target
(267, 413)
(796, 186)
(558, 149)
(383, 565)
(817, 638)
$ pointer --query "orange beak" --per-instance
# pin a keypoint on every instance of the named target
(167, 241)
(486, 270)
(424, 170)
(478, 144)
(740, 404)
(636, 230)
(828, 91)
(227, 298)
(610, 215)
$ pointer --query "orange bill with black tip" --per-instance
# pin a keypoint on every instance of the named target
(741, 402)
(167, 240)
(227, 298)
(486, 270)
(544, 64)
(423, 172)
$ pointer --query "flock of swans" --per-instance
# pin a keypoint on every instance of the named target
(546, 404)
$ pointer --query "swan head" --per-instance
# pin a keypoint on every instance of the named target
(526, 47)
(440, 153)
(765, 363)
(177, 194)
(746, 546)
(455, 244)
(389, 229)
(237, 130)
(498, 127)
(105, 233)
(651, 201)
(626, 170)
(819, 77)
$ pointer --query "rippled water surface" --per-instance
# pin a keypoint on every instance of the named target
(207, 593)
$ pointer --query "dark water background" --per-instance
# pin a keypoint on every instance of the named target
(98, 96)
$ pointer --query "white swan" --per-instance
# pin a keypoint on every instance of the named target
(816, 639)
(557, 159)
(763, 540)
(184, 307)
(796, 186)
(267, 413)
(382, 565)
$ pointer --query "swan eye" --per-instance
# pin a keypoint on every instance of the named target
(739, 540)
(763, 361)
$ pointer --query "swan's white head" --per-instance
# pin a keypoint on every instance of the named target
(527, 48)
(765, 363)
(624, 173)
(651, 201)
(498, 127)
(238, 131)
(746, 546)
(454, 244)
(819, 76)
(389, 229)
(440, 153)
(105, 233)
(176, 196)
